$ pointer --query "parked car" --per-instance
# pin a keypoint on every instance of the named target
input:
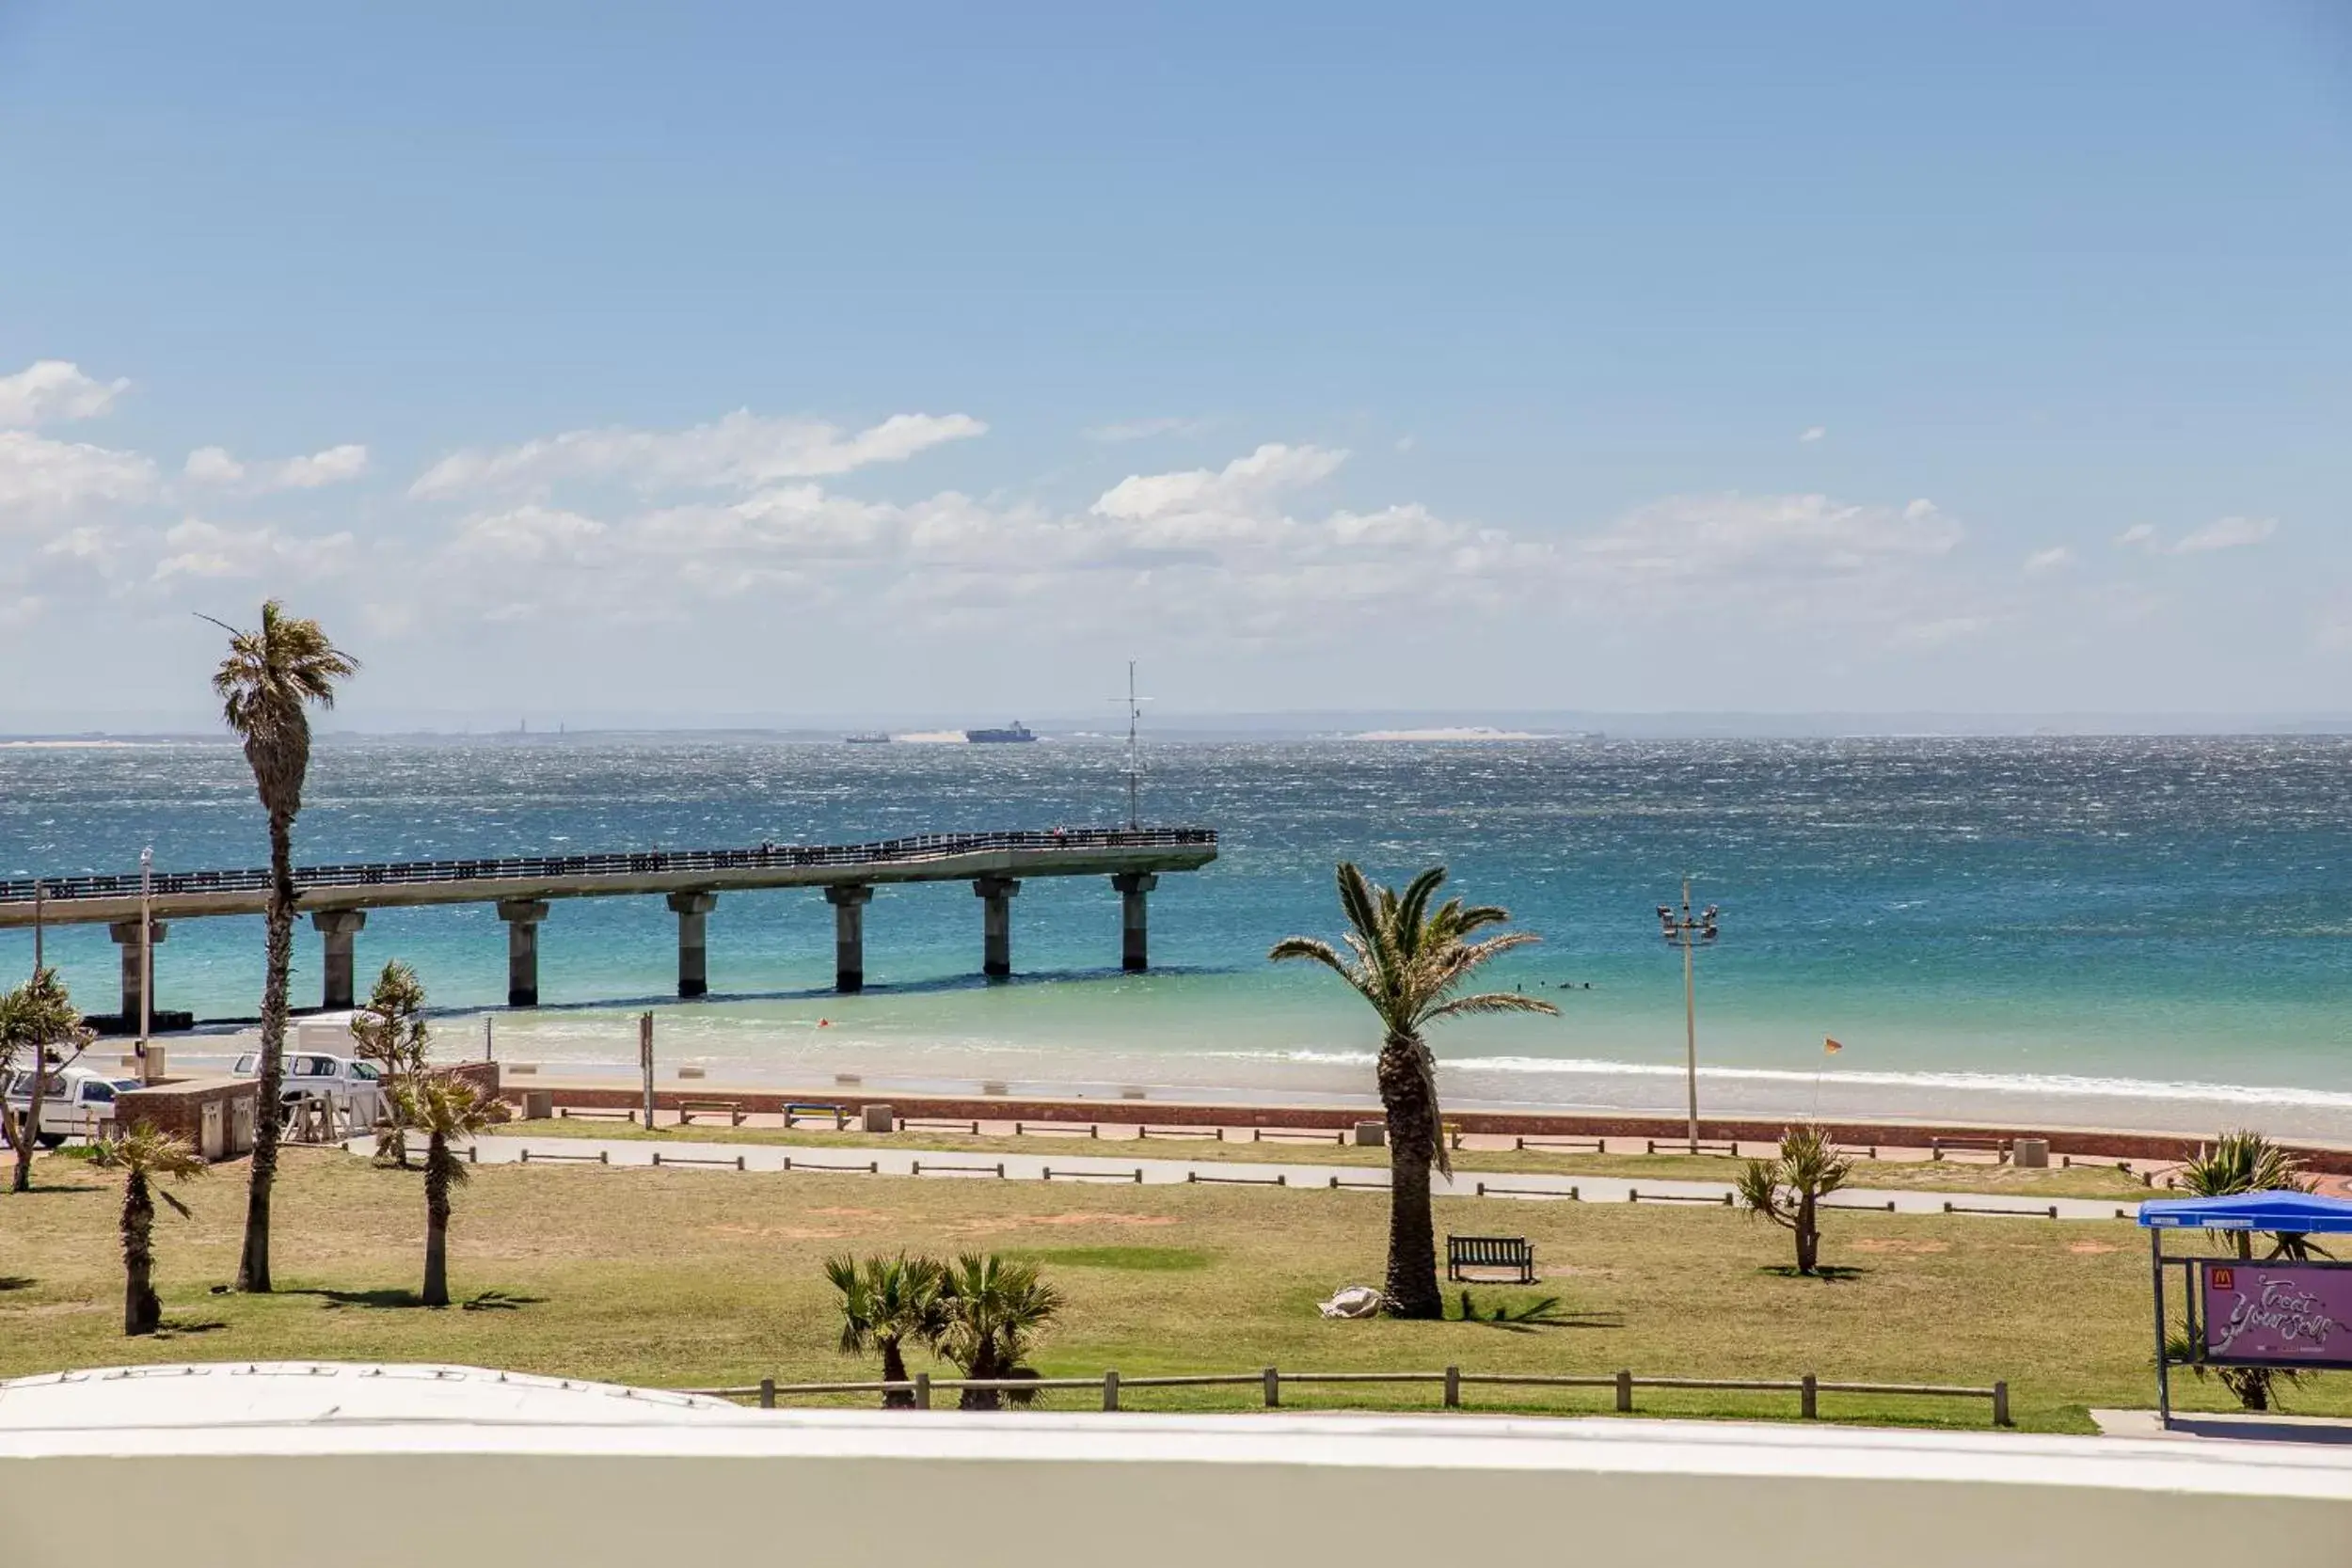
(353, 1088)
(73, 1102)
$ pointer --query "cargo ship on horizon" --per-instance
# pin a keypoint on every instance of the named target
(1012, 734)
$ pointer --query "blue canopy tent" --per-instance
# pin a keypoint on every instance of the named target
(2294, 1213)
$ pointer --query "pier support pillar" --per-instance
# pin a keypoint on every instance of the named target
(848, 935)
(694, 912)
(126, 935)
(338, 927)
(1134, 947)
(522, 917)
(995, 894)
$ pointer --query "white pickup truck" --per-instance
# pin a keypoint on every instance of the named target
(74, 1102)
(353, 1087)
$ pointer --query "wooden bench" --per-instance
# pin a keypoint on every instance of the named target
(1516, 1253)
(794, 1112)
(731, 1109)
(1997, 1147)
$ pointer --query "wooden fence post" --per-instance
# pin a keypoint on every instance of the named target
(1809, 1397)
(1625, 1393)
(1110, 1389)
(2001, 1403)
(767, 1393)
(1273, 1388)
(922, 1391)
(1454, 1388)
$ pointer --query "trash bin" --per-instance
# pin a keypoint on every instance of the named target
(1371, 1134)
(2030, 1153)
(538, 1104)
(879, 1119)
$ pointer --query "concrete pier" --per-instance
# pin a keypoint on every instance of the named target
(337, 927)
(126, 935)
(995, 894)
(693, 914)
(848, 903)
(1134, 946)
(522, 917)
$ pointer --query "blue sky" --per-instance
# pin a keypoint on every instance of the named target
(585, 361)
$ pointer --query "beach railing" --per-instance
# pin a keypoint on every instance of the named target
(1271, 1380)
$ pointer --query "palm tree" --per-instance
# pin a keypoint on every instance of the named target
(443, 1108)
(391, 1033)
(144, 1155)
(265, 687)
(36, 1018)
(2242, 1162)
(2245, 1162)
(994, 1309)
(887, 1303)
(1789, 1190)
(1408, 961)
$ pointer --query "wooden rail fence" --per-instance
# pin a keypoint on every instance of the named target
(1271, 1380)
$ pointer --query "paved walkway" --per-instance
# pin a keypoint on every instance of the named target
(936, 1165)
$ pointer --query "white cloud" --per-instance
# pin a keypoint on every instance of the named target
(529, 535)
(1757, 539)
(2056, 558)
(2228, 533)
(53, 389)
(742, 450)
(40, 476)
(1143, 429)
(1813, 432)
(202, 549)
(1220, 498)
(216, 466)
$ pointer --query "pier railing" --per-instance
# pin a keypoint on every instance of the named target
(913, 848)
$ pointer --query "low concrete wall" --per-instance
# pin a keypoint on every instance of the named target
(862, 1491)
(223, 1133)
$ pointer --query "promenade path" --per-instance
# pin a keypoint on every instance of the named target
(968, 1165)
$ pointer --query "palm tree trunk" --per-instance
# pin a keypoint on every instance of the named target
(1808, 1228)
(895, 1370)
(142, 1313)
(20, 1130)
(253, 1266)
(1412, 1287)
(983, 1366)
(29, 1133)
(436, 1182)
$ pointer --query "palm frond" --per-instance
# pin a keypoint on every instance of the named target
(1489, 1002)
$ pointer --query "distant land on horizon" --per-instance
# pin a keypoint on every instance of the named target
(1323, 725)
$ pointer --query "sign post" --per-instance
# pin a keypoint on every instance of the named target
(644, 1060)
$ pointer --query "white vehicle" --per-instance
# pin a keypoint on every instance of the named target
(75, 1101)
(353, 1087)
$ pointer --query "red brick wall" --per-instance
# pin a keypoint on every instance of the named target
(179, 1107)
(2114, 1146)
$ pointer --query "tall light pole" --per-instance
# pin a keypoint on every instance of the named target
(1689, 932)
(147, 957)
(1135, 756)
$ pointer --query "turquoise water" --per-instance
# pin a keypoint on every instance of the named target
(2146, 931)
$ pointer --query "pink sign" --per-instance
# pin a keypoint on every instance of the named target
(2293, 1314)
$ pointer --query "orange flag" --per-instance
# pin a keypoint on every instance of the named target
(1831, 1048)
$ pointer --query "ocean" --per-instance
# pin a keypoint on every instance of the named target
(2110, 931)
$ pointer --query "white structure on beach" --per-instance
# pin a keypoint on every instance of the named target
(259, 1466)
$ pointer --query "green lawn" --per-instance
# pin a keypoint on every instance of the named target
(1919, 1175)
(690, 1278)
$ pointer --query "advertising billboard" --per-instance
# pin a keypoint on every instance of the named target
(2276, 1314)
